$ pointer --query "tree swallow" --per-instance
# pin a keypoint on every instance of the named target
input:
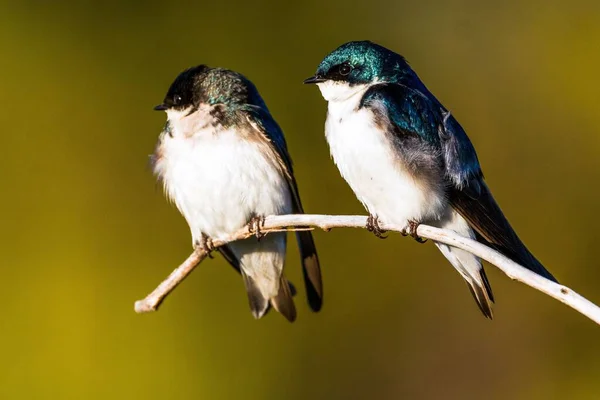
(409, 161)
(224, 162)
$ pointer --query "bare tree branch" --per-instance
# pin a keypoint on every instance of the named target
(327, 222)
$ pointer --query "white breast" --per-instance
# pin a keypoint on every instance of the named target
(367, 162)
(218, 179)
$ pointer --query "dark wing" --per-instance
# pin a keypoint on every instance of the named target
(484, 215)
(415, 114)
(271, 135)
(421, 114)
(470, 196)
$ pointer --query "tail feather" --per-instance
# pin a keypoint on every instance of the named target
(259, 305)
(261, 265)
(235, 263)
(482, 295)
(311, 270)
(474, 275)
(486, 282)
(283, 301)
(482, 301)
(468, 265)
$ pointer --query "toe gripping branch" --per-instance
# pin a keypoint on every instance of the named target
(256, 225)
(206, 244)
(373, 226)
(412, 231)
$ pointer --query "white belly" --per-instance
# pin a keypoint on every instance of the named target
(219, 181)
(366, 161)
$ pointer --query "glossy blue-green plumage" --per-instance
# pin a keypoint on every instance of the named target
(408, 103)
(370, 63)
(425, 136)
(414, 112)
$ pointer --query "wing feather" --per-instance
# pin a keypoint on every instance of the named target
(418, 114)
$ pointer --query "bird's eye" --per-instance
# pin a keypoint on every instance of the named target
(345, 69)
(177, 99)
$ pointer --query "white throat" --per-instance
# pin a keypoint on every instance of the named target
(340, 91)
(186, 124)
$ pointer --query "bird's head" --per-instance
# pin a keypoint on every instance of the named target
(355, 65)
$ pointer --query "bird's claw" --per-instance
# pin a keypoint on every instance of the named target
(255, 226)
(373, 226)
(412, 231)
(206, 244)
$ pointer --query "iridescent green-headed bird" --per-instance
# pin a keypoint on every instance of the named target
(409, 161)
(224, 162)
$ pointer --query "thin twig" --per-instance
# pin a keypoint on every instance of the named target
(327, 222)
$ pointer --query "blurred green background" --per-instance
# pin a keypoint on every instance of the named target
(86, 230)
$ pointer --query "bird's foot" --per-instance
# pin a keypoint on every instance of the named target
(412, 231)
(206, 244)
(255, 226)
(373, 226)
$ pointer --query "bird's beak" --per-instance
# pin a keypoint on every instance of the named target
(314, 79)
(161, 107)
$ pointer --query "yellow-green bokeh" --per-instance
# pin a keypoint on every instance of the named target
(86, 231)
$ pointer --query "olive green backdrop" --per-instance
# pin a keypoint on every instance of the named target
(86, 231)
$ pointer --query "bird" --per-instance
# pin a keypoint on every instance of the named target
(223, 160)
(409, 161)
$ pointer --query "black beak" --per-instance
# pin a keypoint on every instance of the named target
(161, 107)
(314, 79)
